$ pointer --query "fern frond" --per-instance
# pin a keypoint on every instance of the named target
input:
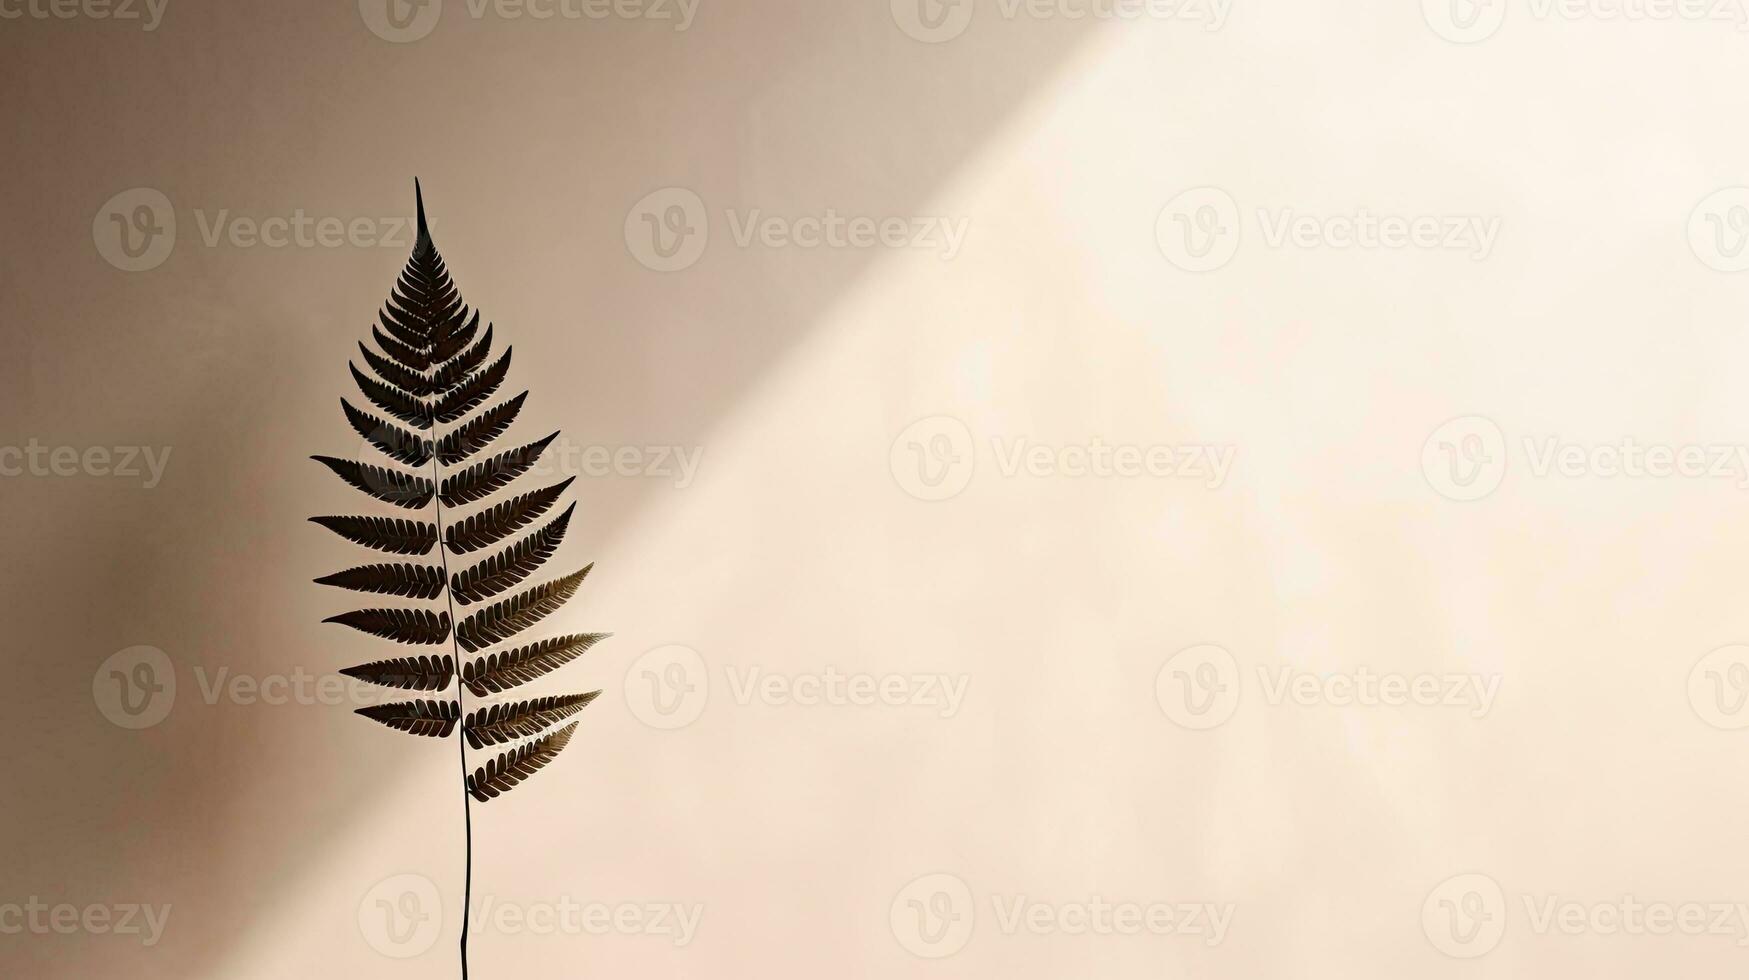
(494, 524)
(395, 442)
(406, 581)
(512, 668)
(409, 357)
(407, 673)
(458, 367)
(447, 341)
(412, 382)
(508, 617)
(401, 330)
(477, 433)
(393, 486)
(417, 627)
(429, 719)
(499, 723)
(510, 566)
(481, 479)
(469, 393)
(402, 405)
(390, 534)
(508, 771)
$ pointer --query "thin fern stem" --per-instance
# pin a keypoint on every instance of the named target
(461, 698)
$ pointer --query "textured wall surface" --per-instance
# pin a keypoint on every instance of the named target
(1203, 488)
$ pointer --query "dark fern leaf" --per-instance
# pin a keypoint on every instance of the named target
(396, 402)
(393, 486)
(453, 370)
(395, 442)
(406, 581)
(502, 671)
(406, 333)
(506, 772)
(483, 478)
(389, 534)
(469, 393)
(499, 723)
(447, 343)
(413, 358)
(477, 433)
(510, 566)
(496, 523)
(507, 617)
(416, 627)
(429, 719)
(410, 381)
(407, 673)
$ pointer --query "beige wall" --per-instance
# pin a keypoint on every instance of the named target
(823, 394)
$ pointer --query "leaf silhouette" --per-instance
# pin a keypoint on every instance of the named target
(394, 486)
(408, 581)
(494, 524)
(502, 671)
(481, 479)
(506, 772)
(430, 377)
(397, 443)
(407, 673)
(411, 626)
(431, 719)
(508, 617)
(499, 723)
(512, 565)
(383, 533)
(479, 432)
